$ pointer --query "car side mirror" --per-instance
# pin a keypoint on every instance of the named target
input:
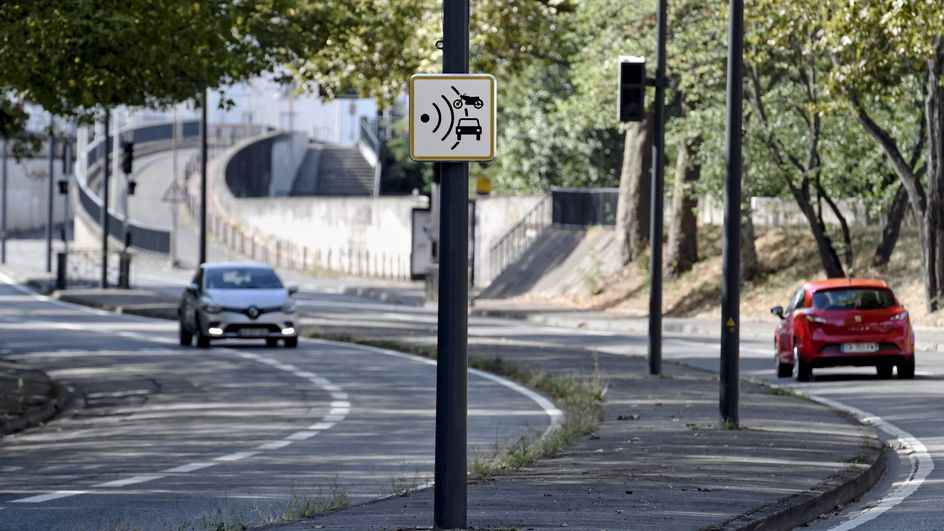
(193, 288)
(778, 311)
(292, 289)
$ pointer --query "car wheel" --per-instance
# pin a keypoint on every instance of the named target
(801, 369)
(185, 337)
(202, 340)
(784, 370)
(884, 370)
(271, 342)
(291, 342)
(906, 369)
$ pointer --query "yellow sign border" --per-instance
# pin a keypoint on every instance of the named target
(494, 93)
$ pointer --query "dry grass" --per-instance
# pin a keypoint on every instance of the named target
(787, 255)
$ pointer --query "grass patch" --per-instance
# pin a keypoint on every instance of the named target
(784, 391)
(304, 507)
(580, 398)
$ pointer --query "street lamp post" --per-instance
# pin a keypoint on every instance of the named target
(731, 247)
(657, 202)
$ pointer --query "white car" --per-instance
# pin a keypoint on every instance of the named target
(237, 300)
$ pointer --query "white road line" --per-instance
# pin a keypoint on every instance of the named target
(119, 394)
(339, 395)
(50, 496)
(319, 426)
(133, 480)
(334, 418)
(11, 468)
(275, 445)
(235, 456)
(301, 435)
(189, 467)
(910, 449)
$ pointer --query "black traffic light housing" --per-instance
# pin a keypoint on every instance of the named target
(127, 157)
(132, 184)
(632, 89)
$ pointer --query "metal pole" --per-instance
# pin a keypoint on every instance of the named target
(174, 205)
(656, 203)
(203, 180)
(67, 157)
(103, 215)
(449, 495)
(731, 247)
(3, 214)
(49, 193)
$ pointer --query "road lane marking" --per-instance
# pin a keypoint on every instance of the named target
(133, 480)
(910, 449)
(119, 394)
(49, 496)
(301, 435)
(322, 426)
(235, 456)
(189, 467)
(274, 445)
(11, 468)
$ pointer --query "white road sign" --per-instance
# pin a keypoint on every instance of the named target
(452, 117)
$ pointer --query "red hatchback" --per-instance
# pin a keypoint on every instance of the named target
(848, 321)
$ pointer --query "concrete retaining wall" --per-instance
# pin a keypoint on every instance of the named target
(27, 184)
(493, 217)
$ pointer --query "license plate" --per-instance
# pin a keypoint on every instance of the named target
(253, 332)
(859, 347)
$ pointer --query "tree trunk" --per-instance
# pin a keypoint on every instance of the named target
(632, 210)
(750, 266)
(828, 257)
(934, 215)
(893, 218)
(683, 227)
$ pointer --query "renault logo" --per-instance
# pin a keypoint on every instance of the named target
(252, 312)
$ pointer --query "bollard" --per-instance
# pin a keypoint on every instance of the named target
(124, 271)
(61, 270)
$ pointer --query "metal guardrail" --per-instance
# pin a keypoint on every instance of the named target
(520, 236)
(370, 136)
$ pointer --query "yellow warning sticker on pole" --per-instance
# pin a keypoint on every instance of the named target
(730, 323)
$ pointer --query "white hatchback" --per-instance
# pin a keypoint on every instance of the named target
(237, 301)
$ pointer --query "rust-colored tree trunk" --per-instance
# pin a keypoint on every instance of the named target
(632, 209)
(683, 226)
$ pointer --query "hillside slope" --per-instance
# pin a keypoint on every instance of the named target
(788, 257)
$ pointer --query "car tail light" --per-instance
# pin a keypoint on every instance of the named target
(903, 316)
(815, 319)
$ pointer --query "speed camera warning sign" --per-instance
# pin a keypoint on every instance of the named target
(452, 117)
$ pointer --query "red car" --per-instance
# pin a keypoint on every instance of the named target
(847, 321)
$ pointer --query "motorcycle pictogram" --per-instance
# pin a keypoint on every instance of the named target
(474, 101)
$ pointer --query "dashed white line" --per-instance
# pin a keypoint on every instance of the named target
(50, 496)
(235, 456)
(119, 394)
(275, 445)
(189, 467)
(301, 435)
(133, 480)
(322, 426)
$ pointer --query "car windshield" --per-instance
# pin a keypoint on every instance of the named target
(854, 299)
(242, 278)
(468, 121)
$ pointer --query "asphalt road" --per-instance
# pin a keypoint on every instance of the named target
(908, 411)
(168, 437)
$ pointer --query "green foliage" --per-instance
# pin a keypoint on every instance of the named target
(73, 57)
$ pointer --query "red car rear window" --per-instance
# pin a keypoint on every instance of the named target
(854, 299)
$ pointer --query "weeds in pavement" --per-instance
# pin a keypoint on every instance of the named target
(785, 391)
(581, 399)
(302, 508)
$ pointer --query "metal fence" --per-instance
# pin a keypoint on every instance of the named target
(584, 207)
(521, 235)
(84, 267)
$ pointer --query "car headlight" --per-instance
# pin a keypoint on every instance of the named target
(289, 307)
(209, 307)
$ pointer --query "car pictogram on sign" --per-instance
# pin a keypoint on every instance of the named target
(469, 126)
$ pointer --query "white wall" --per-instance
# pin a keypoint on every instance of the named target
(27, 186)
(494, 216)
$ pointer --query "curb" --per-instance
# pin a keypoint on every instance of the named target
(812, 504)
(59, 402)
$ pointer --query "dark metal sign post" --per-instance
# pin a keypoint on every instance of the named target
(657, 202)
(731, 247)
(449, 492)
(49, 192)
(103, 219)
(203, 180)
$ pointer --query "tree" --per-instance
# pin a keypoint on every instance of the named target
(74, 57)
(884, 52)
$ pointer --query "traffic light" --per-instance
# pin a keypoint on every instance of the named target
(127, 157)
(131, 186)
(632, 89)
